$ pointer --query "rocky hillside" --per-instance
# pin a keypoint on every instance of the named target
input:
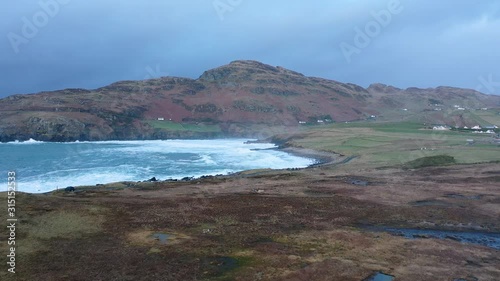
(236, 99)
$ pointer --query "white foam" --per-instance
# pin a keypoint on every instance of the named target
(43, 184)
(30, 141)
(207, 159)
(90, 163)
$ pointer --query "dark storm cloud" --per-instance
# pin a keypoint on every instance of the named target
(53, 44)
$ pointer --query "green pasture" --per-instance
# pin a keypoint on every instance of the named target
(173, 126)
(394, 144)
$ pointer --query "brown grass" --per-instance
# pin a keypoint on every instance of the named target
(64, 224)
(304, 227)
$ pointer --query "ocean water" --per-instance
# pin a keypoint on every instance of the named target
(42, 167)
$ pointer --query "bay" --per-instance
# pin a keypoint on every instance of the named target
(43, 166)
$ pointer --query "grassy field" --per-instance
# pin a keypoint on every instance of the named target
(378, 144)
(173, 126)
(394, 144)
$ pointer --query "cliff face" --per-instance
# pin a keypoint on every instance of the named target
(242, 94)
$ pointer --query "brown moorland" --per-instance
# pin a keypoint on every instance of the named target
(263, 225)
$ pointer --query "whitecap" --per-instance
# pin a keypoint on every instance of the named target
(90, 163)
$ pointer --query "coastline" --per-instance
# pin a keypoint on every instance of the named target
(322, 157)
(316, 158)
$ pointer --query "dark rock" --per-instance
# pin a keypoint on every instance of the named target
(69, 189)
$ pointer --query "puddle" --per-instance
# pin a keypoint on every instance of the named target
(460, 196)
(430, 203)
(490, 240)
(162, 237)
(379, 276)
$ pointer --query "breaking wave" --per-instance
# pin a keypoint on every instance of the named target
(46, 166)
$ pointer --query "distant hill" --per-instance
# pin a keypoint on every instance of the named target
(232, 100)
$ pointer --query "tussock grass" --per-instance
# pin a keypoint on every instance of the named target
(64, 224)
(226, 221)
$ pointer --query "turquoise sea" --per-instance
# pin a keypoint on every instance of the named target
(43, 166)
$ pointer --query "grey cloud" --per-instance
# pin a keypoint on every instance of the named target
(92, 43)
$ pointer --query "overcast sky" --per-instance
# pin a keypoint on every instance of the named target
(55, 44)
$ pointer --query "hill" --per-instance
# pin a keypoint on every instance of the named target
(238, 99)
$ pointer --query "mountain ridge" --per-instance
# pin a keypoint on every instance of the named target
(237, 99)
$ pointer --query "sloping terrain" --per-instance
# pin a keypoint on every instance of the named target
(272, 225)
(236, 99)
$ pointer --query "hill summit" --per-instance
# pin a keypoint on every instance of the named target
(238, 99)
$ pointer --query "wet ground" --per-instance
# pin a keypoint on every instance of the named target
(162, 237)
(486, 239)
(379, 276)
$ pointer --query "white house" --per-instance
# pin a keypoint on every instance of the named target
(161, 119)
(302, 122)
(477, 127)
